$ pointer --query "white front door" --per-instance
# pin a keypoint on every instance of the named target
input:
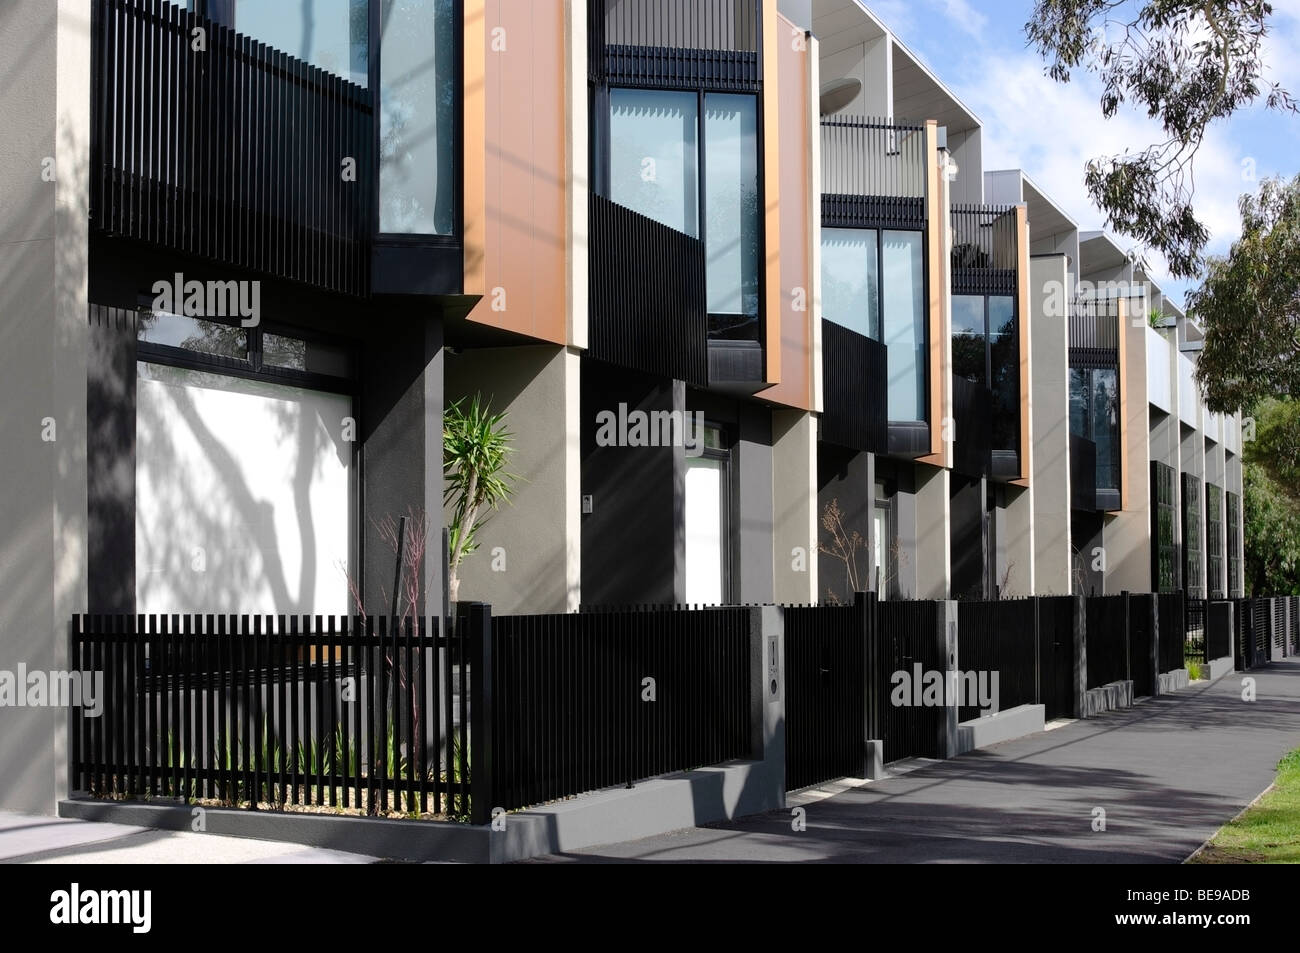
(705, 531)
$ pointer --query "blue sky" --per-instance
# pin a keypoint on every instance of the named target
(977, 48)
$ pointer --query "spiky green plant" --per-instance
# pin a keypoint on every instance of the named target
(475, 451)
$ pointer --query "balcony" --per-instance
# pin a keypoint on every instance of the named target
(854, 389)
(232, 154)
(873, 173)
(647, 295)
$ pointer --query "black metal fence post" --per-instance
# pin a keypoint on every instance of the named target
(1128, 634)
(479, 619)
(1080, 656)
(1153, 644)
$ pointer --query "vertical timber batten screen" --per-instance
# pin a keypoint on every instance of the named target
(865, 156)
(831, 703)
(573, 711)
(233, 153)
(648, 309)
(274, 711)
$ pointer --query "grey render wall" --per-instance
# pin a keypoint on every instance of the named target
(1050, 395)
(1128, 534)
(967, 151)
(44, 114)
(401, 445)
(869, 64)
(932, 547)
(796, 509)
(537, 564)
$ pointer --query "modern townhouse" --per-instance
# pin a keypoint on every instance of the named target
(924, 293)
(763, 327)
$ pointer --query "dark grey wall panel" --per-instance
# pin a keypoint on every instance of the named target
(110, 460)
(631, 538)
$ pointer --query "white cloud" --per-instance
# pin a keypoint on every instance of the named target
(964, 16)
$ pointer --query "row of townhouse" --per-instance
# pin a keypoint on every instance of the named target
(251, 251)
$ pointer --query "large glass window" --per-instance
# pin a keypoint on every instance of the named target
(1192, 554)
(985, 349)
(1004, 371)
(417, 118)
(851, 279)
(1105, 425)
(1094, 415)
(654, 155)
(903, 308)
(1214, 540)
(330, 34)
(731, 189)
(1164, 501)
(968, 345)
(873, 282)
(1233, 520)
(659, 148)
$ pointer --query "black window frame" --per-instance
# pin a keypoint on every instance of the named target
(1165, 562)
(1214, 541)
(880, 228)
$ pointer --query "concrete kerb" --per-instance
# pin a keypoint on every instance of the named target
(988, 730)
(658, 806)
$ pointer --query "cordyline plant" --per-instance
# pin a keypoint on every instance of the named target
(475, 451)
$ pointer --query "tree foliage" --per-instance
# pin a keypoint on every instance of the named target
(1249, 305)
(1186, 64)
(1272, 499)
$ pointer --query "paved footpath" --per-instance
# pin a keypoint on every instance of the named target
(1168, 773)
(52, 840)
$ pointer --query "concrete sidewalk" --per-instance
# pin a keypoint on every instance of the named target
(53, 840)
(1167, 774)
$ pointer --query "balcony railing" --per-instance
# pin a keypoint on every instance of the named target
(675, 43)
(871, 165)
(647, 299)
(1094, 332)
(698, 24)
(985, 249)
(855, 389)
(237, 153)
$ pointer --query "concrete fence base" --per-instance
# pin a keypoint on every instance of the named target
(1110, 697)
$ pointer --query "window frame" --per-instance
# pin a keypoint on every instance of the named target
(421, 239)
(926, 370)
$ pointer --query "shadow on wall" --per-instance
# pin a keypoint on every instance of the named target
(241, 487)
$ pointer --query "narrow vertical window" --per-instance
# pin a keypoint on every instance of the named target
(417, 88)
(903, 297)
(731, 209)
